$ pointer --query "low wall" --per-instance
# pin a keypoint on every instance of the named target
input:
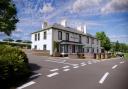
(41, 52)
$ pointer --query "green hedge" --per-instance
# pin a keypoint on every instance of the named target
(13, 66)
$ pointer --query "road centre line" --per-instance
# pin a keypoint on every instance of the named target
(53, 74)
(114, 66)
(54, 70)
(26, 85)
(104, 77)
(35, 75)
(66, 69)
(62, 62)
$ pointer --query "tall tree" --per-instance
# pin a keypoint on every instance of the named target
(8, 18)
(117, 46)
(105, 41)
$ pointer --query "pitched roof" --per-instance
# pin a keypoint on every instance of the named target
(69, 29)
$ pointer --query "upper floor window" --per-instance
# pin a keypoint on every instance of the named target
(92, 41)
(87, 39)
(80, 39)
(45, 35)
(44, 47)
(38, 36)
(59, 35)
(67, 36)
(35, 37)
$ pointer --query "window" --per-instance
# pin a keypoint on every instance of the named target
(35, 46)
(92, 41)
(87, 50)
(80, 39)
(59, 35)
(45, 35)
(38, 36)
(35, 37)
(92, 50)
(67, 36)
(88, 40)
(44, 47)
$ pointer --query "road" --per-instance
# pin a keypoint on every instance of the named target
(77, 74)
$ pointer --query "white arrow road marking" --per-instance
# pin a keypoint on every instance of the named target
(26, 85)
(54, 70)
(66, 69)
(53, 74)
(104, 77)
(114, 66)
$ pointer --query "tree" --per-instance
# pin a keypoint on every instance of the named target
(18, 40)
(117, 46)
(8, 39)
(105, 41)
(8, 18)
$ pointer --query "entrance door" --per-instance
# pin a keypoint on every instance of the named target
(73, 48)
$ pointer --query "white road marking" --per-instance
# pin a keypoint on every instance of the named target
(83, 64)
(104, 77)
(75, 64)
(114, 66)
(62, 62)
(53, 74)
(66, 69)
(35, 75)
(76, 67)
(26, 85)
(54, 70)
(122, 62)
(89, 62)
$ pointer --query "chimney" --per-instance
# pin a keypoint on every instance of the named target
(64, 23)
(45, 24)
(80, 28)
(85, 29)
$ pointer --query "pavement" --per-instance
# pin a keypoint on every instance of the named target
(68, 73)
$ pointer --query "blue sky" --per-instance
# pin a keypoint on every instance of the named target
(110, 16)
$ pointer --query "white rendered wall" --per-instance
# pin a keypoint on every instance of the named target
(42, 41)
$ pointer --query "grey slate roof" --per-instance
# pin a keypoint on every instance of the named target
(69, 29)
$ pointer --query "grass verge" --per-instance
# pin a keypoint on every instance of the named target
(126, 56)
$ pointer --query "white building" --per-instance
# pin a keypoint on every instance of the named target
(70, 40)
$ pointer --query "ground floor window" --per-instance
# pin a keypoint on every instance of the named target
(35, 46)
(44, 47)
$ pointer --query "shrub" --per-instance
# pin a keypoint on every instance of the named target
(13, 65)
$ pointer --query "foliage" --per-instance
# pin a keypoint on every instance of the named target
(13, 65)
(8, 39)
(21, 45)
(8, 18)
(126, 56)
(56, 46)
(18, 41)
(105, 41)
(119, 47)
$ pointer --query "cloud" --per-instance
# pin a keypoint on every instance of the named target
(115, 6)
(79, 5)
(47, 8)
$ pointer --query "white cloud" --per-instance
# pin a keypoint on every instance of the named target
(79, 5)
(115, 6)
(47, 8)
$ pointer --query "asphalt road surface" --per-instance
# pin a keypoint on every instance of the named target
(67, 73)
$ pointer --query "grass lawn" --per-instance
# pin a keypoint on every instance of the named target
(126, 56)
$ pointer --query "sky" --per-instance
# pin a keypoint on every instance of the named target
(110, 16)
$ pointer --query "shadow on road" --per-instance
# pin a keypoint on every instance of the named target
(34, 67)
